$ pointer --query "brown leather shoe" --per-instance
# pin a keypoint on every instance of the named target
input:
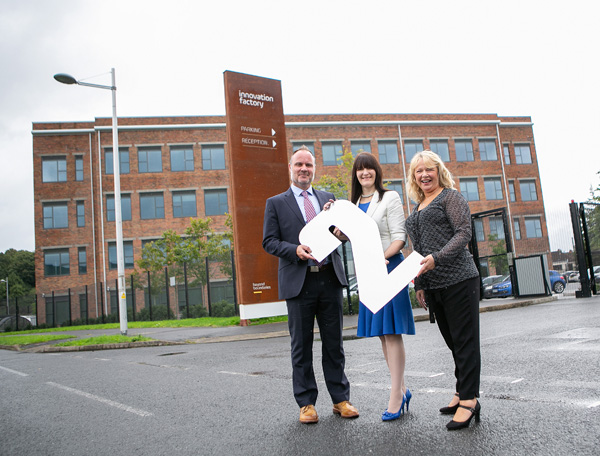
(345, 409)
(308, 414)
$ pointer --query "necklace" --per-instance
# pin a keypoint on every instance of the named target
(431, 197)
(367, 196)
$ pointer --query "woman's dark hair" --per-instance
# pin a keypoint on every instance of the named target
(362, 161)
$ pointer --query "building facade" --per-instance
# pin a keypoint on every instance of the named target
(176, 168)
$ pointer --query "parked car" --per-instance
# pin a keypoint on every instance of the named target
(567, 275)
(491, 280)
(504, 288)
(487, 283)
(575, 277)
(557, 282)
(10, 322)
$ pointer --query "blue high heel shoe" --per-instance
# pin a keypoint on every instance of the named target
(387, 416)
(407, 398)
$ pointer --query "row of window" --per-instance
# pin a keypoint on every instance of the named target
(57, 261)
(152, 206)
(150, 160)
(388, 150)
(533, 228)
(469, 187)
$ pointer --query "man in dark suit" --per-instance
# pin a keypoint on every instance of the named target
(311, 289)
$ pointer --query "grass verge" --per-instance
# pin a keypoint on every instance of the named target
(31, 339)
(100, 340)
(183, 323)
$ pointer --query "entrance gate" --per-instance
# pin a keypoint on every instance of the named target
(581, 238)
(493, 254)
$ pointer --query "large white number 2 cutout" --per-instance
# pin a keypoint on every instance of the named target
(375, 285)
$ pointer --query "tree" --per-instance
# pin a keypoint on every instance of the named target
(592, 217)
(499, 260)
(192, 248)
(339, 183)
(19, 267)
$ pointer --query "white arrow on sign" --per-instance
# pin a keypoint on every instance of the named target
(274, 143)
(272, 132)
(376, 286)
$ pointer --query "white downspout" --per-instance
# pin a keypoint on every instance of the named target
(506, 191)
(404, 169)
(102, 225)
(93, 229)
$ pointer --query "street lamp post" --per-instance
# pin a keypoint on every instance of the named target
(122, 297)
(7, 308)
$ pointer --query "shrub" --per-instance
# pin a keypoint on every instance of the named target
(353, 304)
(413, 298)
(197, 311)
(222, 309)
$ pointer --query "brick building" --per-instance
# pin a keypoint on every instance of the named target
(174, 168)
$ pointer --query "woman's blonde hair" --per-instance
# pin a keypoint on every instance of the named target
(429, 158)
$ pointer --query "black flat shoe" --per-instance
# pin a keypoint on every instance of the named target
(449, 410)
(455, 425)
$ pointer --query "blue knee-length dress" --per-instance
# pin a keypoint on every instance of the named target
(395, 317)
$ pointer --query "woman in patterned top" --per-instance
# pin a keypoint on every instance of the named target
(440, 229)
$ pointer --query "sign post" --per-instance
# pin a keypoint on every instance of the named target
(258, 164)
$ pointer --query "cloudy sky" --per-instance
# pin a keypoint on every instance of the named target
(523, 58)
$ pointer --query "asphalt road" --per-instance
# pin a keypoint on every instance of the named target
(540, 395)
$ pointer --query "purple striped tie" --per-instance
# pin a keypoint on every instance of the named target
(310, 212)
(309, 209)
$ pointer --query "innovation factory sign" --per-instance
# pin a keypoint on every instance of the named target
(258, 164)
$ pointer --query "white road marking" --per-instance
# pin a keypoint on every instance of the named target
(498, 379)
(367, 364)
(102, 400)
(595, 404)
(14, 371)
(238, 373)
(437, 375)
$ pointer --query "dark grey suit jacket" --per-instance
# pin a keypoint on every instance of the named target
(282, 225)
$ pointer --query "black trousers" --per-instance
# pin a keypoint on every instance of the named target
(320, 298)
(456, 309)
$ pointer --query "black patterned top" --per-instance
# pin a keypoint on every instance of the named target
(443, 229)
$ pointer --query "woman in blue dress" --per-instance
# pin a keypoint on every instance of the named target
(396, 317)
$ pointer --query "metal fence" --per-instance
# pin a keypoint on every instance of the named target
(172, 293)
(18, 313)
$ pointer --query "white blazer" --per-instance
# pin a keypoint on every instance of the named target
(389, 216)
